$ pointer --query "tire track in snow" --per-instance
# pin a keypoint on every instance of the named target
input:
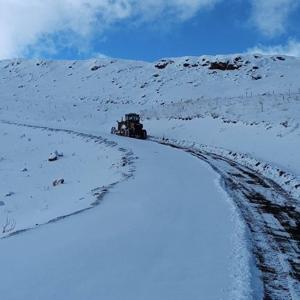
(273, 219)
(269, 212)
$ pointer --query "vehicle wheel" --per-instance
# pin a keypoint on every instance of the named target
(144, 134)
(113, 130)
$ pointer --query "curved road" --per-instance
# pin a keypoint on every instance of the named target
(169, 232)
(273, 218)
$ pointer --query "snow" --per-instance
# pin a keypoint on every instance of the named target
(36, 90)
(154, 237)
(273, 152)
(165, 228)
(26, 174)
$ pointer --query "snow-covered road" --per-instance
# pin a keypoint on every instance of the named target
(170, 232)
(272, 216)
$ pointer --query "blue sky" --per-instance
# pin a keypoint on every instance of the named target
(148, 29)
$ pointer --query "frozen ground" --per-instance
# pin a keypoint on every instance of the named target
(271, 151)
(98, 91)
(160, 235)
(271, 215)
(170, 231)
(88, 165)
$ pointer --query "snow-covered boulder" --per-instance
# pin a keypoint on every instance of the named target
(58, 154)
(55, 155)
(9, 194)
(58, 182)
(52, 157)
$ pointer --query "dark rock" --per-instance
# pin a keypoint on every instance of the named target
(58, 182)
(187, 65)
(95, 68)
(53, 157)
(223, 66)
(280, 58)
(163, 64)
(257, 77)
(9, 194)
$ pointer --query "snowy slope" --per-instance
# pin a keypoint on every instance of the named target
(84, 89)
(154, 237)
(163, 220)
(254, 101)
(271, 150)
(88, 165)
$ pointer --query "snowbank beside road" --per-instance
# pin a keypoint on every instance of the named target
(274, 152)
(35, 189)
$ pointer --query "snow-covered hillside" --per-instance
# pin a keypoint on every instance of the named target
(253, 99)
(79, 90)
(239, 113)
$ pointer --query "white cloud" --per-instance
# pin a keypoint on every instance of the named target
(99, 55)
(292, 48)
(24, 23)
(271, 16)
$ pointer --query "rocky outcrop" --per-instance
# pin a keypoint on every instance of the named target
(163, 64)
(224, 66)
